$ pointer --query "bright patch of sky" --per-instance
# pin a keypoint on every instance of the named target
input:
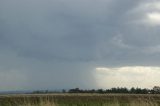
(129, 76)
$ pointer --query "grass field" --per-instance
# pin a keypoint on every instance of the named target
(80, 100)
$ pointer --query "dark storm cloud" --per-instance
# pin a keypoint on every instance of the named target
(56, 44)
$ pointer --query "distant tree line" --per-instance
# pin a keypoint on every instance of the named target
(155, 90)
(113, 90)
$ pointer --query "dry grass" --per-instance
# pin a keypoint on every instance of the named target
(81, 100)
(116, 103)
(42, 103)
(143, 103)
(113, 104)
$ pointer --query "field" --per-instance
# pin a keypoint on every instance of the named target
(80, 100)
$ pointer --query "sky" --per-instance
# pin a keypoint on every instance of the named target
(63, 44)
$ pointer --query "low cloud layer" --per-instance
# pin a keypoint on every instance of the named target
(137, 76)
(56, 44)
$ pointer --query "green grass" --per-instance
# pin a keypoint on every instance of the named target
(80, 100)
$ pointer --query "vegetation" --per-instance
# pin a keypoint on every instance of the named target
(79, 97)
(155, 90)
(114, 90)
(80, 100)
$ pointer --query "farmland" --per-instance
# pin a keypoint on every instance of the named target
(80, 100)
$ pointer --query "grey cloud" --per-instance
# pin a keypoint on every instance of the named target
(61, 42)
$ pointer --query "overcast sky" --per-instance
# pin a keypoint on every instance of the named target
(56, 44)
